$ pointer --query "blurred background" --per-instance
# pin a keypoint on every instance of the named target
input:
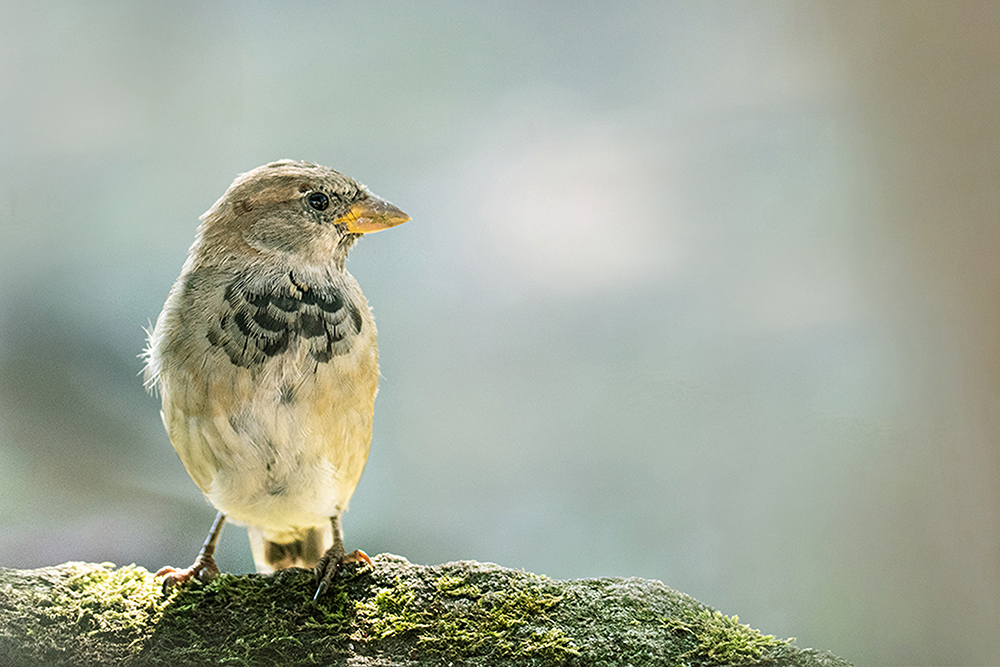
(704, 292)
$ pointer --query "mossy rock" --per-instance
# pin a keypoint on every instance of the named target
(394, 613)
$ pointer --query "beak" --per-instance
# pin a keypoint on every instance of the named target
(372, 214)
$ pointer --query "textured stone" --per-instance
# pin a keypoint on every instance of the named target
(395, 613)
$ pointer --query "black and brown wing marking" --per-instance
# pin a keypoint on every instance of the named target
(262, 323)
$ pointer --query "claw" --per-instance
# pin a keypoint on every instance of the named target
(356, 556)
(322, 588)
(327, 569)
(203, 569)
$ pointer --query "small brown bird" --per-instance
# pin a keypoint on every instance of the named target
(266, 359)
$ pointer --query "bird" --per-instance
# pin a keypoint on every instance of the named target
(265, 358)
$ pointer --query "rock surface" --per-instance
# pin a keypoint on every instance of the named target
(395, 613)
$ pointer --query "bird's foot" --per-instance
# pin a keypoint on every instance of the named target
(204, 570)
(330, 564)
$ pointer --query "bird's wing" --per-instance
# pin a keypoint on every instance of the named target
(262, 321)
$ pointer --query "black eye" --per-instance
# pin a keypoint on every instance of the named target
(318, 200)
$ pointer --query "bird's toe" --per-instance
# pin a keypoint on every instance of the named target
(203, 570)
(330, 564)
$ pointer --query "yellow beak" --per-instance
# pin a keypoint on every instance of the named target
(371, 215)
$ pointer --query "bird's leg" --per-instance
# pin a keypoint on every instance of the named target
(335, 556)
(204, 567)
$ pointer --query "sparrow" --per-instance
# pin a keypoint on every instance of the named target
(265, 357)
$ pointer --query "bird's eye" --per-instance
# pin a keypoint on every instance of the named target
(318, 200)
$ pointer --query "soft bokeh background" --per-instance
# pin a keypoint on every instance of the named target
(702, 292)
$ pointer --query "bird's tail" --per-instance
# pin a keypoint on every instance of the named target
(305, 551)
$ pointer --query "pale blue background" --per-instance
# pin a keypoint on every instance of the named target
(700, 292)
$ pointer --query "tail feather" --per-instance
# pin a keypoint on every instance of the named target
(305, 552)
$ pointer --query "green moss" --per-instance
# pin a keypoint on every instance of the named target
(721, 640)
(459, 621)
(77, 611)
(464, 613)
(458, 587)
(114, 604)
(391, 613)
(252, 620)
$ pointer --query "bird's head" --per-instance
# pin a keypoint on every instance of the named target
(296, 210)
